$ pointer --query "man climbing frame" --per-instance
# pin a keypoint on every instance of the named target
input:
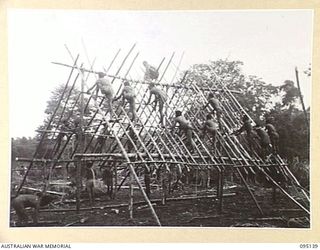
(106, 89)
(151, 73)
(273, 134)
(250, 134)
(264, 140)
(210, 127)
(128, 95)
(186, 127)
(216, 106)
(159, 97)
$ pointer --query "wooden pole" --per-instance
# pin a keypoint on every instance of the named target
(136, 203)
(112, 61)
(248, 188)
(131, 197)
(80, 136)
(115, 180)
(144, 82)
(124, 153)
(163, 186)
(78, 184)
(301, 99)
(44, 134)
(218, 189)
(166, 67)
(221, 190)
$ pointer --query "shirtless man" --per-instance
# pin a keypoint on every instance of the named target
(185, 126)
(129, 96)
(211, 127)
(107, 177)
(159, 96)
(23, 201)
(106, 89)
(215, 104)
(273, 134)
(151, 72)
(247, 127)
(264, 140)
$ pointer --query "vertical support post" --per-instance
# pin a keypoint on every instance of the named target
(221, 190)
(81, 140)
(197, 180)
(131, 196)
(218, 185)
(163, 181)
(301, 99)
(208, 178)
(115, 167)
(78, 182)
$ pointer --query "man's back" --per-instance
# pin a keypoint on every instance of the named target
(128, 91)
(211, 124)
(25, 200)
(104, 85)
(159, 93)
(270, 128)
(183, 122)
(264, 137)
(214, 103)
(151, 73)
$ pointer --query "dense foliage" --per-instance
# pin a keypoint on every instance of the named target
(261, 100)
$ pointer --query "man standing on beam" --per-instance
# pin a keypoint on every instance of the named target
(151, 73)
(186, 127)
(106, 89)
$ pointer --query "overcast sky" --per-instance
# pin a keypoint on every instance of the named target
(270, 43)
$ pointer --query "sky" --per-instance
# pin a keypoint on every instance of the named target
(270, 43)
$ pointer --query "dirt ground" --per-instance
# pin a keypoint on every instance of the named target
(238, 210)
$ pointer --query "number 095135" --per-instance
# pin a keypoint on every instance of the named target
(306, 246)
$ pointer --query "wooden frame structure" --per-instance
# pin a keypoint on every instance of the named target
(144, 143)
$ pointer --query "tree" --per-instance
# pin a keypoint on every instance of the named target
(291, 93)
(259, 100)
(68, 108)
(294, 135)
(22, 147)
(256, 96)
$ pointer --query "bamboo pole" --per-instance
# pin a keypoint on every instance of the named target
(220, 188)
(43, 135)
(126, 156)
(118, 71)
(112, 61)
(131, 197)
(139, 81)
(301, 98)
(177, 69)
(135, 203)
(165, 70)
(232, 98)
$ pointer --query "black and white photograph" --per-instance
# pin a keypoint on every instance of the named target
(149, 118)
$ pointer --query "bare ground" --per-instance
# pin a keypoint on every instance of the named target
(238, 210)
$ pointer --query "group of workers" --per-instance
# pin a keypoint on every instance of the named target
(268, 138)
